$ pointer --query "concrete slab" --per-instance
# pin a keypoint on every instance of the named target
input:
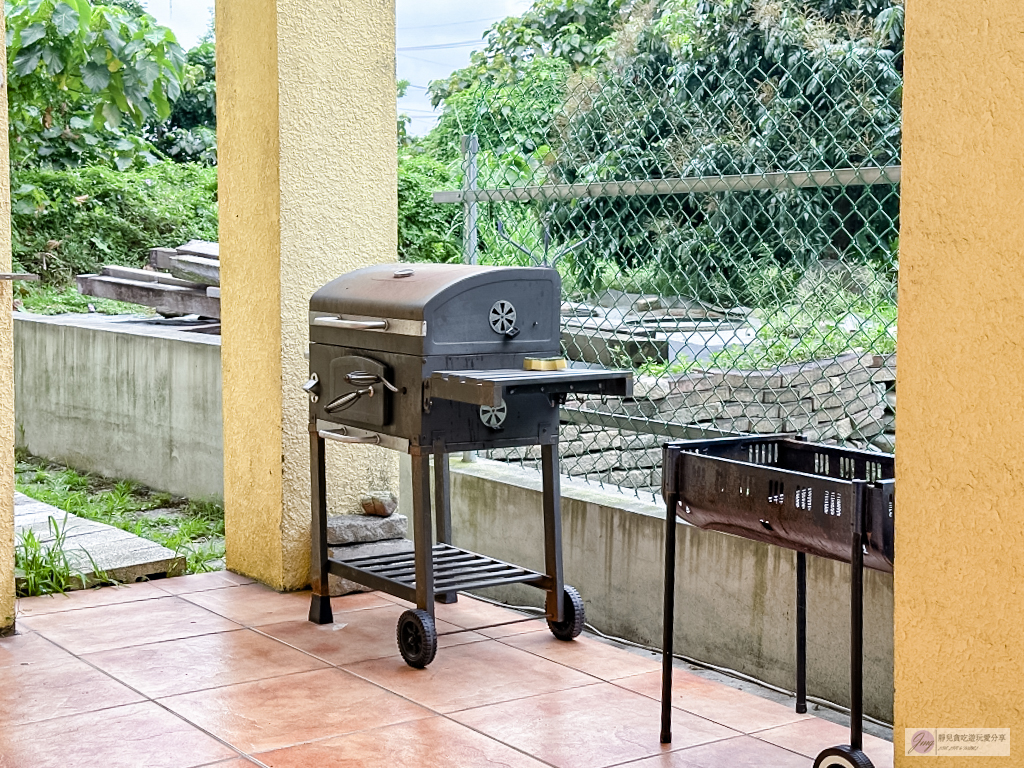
(92, 546)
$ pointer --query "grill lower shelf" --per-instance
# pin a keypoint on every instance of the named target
(454, 570)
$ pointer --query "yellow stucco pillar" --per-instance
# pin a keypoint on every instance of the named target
(6, 378)
(307, 150)
(959, 603)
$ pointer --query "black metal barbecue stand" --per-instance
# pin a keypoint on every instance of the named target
(763, 509)
(435, 359)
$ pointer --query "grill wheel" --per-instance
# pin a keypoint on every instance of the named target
(573, 617)
(417, 638)
(843, 757)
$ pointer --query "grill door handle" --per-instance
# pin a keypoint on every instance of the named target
(362, 439)
(351, 325)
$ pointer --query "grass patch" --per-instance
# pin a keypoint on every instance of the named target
(43, 299)
(191, 528)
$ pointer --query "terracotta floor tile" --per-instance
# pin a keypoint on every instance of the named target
(586, 654)
(135, 736)
(738, 752)
(253, 605)
(206, 661)
(419, 744)
(590, 727)
(470, 613)
(357, 635)
(239, 762)
(30, 649)
(117, 626)
(271, 714)
(809, 737)
(43, 691)
(200, 582)
(736, 709)
(88, 598)
(471, 675)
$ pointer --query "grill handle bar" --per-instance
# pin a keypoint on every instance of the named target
(341, 437)
(351, 325)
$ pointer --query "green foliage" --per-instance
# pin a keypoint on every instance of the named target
(740, 87)
(70, 222)
(426, 231)
(568, 30)
(193, 528)
(47, 299)
(79, 74)
(190, 133)
(44, 568)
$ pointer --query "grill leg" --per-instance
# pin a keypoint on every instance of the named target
(857, 635)
(801, 633)
(671, 502)
(553, 531)
(423, 535)
(320, 604)
(443, 505)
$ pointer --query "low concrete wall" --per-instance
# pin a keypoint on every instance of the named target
(121, 398)
(735, 598)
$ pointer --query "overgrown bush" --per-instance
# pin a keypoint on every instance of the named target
(426, 231)
(72, 221)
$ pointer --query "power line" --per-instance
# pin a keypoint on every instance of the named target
(440, 46)
(449, 24)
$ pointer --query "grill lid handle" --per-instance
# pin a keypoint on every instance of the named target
(351, 325)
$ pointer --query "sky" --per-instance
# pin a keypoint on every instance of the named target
(434, 38)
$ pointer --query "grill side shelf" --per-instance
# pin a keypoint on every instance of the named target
(454, 570)
(490, 387)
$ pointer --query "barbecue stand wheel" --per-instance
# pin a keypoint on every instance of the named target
(417, 638)
(842, 757)
(573, 618)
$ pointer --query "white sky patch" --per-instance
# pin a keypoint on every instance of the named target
(440, 33)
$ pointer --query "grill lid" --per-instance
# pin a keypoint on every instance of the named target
(408, 292)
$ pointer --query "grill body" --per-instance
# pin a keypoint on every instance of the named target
(440, 318)
(429, 360)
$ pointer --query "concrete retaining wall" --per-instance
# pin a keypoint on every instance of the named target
(121, 398)
(735, 598)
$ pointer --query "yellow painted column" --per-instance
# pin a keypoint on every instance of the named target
(6, 379)
(959, 600)
(307, 153)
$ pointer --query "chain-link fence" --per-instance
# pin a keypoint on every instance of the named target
(722, 205)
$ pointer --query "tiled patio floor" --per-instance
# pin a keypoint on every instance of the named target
(214, 670)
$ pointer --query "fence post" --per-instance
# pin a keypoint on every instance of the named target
(470, 147)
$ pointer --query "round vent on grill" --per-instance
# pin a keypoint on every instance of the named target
(493, 418)
(503, 317)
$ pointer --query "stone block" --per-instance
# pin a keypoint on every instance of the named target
(379, 503)
(339, 586)
(355, 529)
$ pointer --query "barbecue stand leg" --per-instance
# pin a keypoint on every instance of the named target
(671, 502)
(320, 603)
(565, 611)
(801, 633)
(852, 755)
(443, 503)
(417, 634)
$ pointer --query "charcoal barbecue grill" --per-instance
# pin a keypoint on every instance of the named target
(432, 359)
(815, 499)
